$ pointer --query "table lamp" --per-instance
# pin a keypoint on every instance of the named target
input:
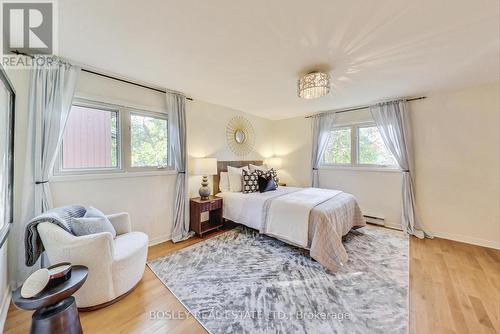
(205, 167)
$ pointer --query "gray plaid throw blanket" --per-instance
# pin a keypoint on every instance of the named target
(33, 246)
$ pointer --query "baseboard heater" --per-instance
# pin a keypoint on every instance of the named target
(375, 220)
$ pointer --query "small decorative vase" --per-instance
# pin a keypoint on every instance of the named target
(204, 190)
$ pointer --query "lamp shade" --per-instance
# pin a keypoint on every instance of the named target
(313, 85)
(205, 166)
(274, 162)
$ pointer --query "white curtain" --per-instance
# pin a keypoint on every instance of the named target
(176, 106)
(52, 87)
(322, 125)
(393, 123)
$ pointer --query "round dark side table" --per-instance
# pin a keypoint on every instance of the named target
(55, 307)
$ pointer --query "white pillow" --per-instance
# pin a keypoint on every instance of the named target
(261, 167)
(236, 178)
(91, 225)
(224, 182)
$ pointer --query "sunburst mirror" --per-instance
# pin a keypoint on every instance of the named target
(240, 135)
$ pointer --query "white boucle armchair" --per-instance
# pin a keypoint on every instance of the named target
(115, 265)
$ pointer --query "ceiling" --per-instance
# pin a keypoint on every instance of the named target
(248, 55)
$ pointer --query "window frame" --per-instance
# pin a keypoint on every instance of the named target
(124, 168)
(59, 168)
(7, 220)
(355, 150)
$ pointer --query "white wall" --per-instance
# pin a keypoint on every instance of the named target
(292, 142)
(457, 148)
(4, 286)
(206, 124)
(378, 193)
(456, 139)
(148, 200)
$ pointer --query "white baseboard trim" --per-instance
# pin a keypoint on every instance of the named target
(454, 237)
(467, 239)
(4, 309)
(159, 239)
(394, 226)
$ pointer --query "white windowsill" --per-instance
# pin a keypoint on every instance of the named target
(361, 168)
(108, 176)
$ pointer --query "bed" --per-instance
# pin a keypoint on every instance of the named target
(311, 218)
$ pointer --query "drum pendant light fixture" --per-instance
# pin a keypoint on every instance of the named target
(313, 85)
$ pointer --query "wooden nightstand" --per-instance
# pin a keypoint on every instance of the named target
(213, 206)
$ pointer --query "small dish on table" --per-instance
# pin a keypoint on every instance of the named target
(55, 306)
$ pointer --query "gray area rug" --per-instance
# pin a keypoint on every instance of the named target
(243, 282)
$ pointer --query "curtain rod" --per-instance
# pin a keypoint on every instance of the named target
(358, 108)
(111, 77)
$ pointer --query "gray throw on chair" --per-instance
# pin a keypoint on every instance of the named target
(59, 216)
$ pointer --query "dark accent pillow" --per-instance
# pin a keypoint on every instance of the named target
(250, 182)
(275, 176)
(270, 173)
(266, 184)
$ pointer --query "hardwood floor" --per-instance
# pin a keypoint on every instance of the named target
(454, 288)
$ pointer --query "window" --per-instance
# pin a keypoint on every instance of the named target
(90, 139)
(104, 138)
(371, 148)
(149, 141)
(7, 106)
(338, 148)
(357, 145)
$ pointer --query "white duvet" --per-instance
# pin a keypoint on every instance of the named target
(283, 213)
(248, 209)
(288, 215)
